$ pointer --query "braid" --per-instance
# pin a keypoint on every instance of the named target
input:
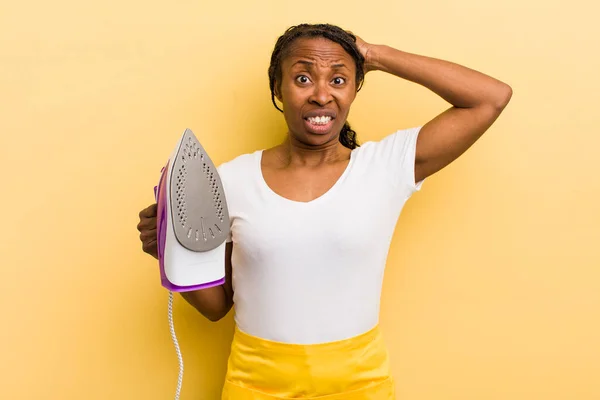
(333, 33)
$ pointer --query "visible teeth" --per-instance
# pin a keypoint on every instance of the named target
(322, 120)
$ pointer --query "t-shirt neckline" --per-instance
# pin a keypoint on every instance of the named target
(271, 193)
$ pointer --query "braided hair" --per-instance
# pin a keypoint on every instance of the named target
(345, 39)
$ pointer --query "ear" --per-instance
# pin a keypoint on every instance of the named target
(277, 91)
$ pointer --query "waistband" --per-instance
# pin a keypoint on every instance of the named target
(244, 339)
(266, 369)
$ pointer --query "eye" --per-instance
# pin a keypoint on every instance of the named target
(339, 81)
(302, 79)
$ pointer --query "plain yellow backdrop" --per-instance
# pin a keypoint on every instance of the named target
(492, 289)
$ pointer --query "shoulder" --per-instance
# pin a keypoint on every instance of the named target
(393, 155)
(398, 138)
(237, 165)
(391, 148)
(239, 172)
(238, 178)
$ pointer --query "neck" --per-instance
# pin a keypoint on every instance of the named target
(296, 153)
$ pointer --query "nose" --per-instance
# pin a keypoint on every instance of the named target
(321, 94)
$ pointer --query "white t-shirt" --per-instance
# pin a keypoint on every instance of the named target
(311, 272)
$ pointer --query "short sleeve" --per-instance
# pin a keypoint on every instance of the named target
(396, 153)
(224, 182)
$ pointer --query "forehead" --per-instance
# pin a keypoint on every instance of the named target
(320, 51)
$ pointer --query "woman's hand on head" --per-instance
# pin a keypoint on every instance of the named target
(365, 49)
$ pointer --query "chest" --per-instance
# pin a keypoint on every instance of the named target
(347, 222)
(303, 184)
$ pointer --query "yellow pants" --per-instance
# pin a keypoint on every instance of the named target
(352, 369)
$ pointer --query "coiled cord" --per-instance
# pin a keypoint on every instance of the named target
(176, 343)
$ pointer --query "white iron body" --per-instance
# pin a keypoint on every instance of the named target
(192, 219)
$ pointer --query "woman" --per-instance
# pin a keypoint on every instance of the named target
(312, 218)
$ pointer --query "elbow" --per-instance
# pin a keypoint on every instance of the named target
(210, 303)
(216, 315)
(503, 96)
(212, 316)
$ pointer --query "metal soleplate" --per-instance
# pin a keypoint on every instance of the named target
(198, 206)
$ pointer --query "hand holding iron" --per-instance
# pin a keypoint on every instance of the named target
(147, 229)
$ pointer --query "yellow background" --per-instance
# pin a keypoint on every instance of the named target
(493, 283)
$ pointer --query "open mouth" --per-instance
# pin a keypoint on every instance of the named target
(319, 124)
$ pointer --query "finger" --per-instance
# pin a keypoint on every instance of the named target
(149, 211)
(357, 38)
(146, 224)
(148, 235)
(150, 249)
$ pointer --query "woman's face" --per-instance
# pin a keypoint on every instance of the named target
(317, 88)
